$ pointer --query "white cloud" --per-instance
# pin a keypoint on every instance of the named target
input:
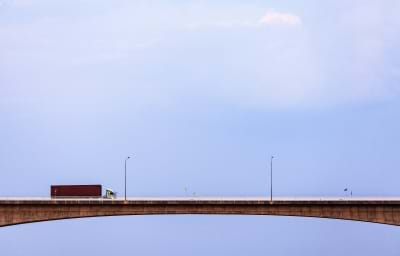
(273, 17)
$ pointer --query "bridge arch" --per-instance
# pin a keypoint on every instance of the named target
(29, 211)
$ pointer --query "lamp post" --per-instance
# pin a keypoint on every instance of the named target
(272, 157)
(126, 159)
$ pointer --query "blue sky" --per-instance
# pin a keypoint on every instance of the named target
(202, 92)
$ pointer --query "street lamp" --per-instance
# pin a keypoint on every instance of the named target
(126, 159)
(272, 157)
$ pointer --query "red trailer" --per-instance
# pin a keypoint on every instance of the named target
(75, 191)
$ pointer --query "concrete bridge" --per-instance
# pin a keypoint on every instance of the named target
(379, 210)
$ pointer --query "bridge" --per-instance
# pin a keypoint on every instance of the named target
(15, 211)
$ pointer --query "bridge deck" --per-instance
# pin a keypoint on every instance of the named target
(382, 210)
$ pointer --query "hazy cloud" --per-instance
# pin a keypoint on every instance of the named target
(270, 18)
(230, 53)
(273, 17)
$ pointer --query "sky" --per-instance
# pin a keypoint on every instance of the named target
(201, 94)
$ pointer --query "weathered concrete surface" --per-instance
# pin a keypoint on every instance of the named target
(14, 212)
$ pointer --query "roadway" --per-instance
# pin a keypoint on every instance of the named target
(209, 198)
